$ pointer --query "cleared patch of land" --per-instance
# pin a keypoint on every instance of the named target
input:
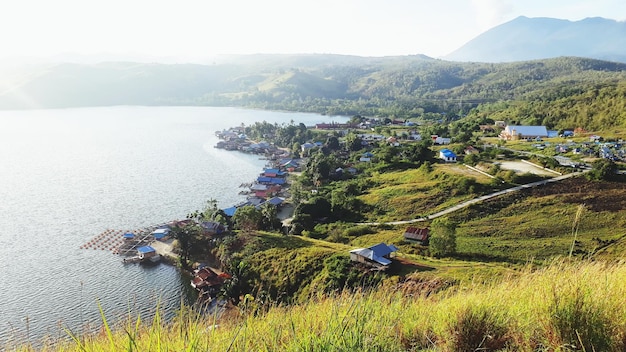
(522, 167)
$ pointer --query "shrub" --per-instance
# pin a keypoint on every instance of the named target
(477, 328)
(577, 322)
(357, 231)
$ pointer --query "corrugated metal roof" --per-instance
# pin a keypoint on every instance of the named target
(230, 211)
(145, 249)
(447, 153)
(371, 255)
(382, 249)
(528, 131)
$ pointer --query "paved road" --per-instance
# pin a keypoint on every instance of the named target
(474, 201)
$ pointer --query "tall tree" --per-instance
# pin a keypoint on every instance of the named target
(443, 237)
(248, 218)
(189, 238)
(270, 217)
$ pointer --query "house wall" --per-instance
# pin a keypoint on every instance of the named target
(357, 258)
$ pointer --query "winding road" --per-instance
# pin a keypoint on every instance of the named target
(475, 200)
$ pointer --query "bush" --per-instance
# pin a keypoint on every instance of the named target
(602, 169)
(357, 231)
(578, 322)
(477, 328)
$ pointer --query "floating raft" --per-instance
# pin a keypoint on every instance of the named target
(113, 240)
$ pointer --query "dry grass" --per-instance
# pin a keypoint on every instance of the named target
(564, 306)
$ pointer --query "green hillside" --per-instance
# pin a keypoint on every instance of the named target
(552, 91)
(531, 270)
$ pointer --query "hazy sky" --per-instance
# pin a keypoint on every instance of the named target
(190, 29)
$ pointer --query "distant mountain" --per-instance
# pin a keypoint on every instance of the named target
(540, 38)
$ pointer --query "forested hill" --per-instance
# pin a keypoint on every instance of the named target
(402, 87)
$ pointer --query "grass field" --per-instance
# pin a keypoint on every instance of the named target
(561, 307)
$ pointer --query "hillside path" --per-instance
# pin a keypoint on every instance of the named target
(474, 201)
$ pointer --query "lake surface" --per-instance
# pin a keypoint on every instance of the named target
(67, 175)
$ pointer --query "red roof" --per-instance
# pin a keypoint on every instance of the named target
(207, 277)
(417, 234)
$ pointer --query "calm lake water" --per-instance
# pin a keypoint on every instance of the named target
(67, 175)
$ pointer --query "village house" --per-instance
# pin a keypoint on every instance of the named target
(211, 228)
(271, 180)
(393, 141)
(306, 146)
(416, 235)
(161, 234)
(471, 150)
(366, 157)
(440, 140)
(207, 281)
(513, 132)
(378, 256)
(414, 136)
(333, 126)
(273, 173)
(447, 155)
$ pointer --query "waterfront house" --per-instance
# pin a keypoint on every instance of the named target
(265, 190)
(147, 254)
(271, 180)
(207, 281)
(230, 211)
(210, 228)
(289, 165)
(378, 256)
(129, 236)
(275, 201)
(160, 234)
(273, 173)
(416, 235)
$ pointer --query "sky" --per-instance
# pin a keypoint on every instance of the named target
(190, 30)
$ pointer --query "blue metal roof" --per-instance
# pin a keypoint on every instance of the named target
(264, 179)
(278, 181)
(272, 180)
(447, 153)
(145, 249)
(230, 211)
(275, 201)
(383, 249)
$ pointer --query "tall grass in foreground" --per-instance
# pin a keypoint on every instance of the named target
(563, 307)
